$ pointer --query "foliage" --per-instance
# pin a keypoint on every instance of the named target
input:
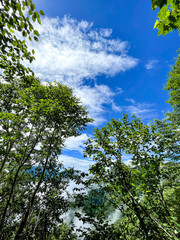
(16, 17)
(173, 86)
(96, 203)
(35, 121)
(65, 233)
(169, 15)
(137, 190)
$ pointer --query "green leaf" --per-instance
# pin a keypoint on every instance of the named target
(36, 39)
(12, 31)
(33, 6)
(3, 32)
(36, 33)
(156, 24)
(39, 20)
(41, 12)
(24, 33)
(162, 13)
(15, 43)
(30, 12)
(34, 17)
(37, 15)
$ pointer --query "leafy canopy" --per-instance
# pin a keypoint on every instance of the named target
(17, 16)
(169, 15)
(173, 86)
(137, 190)
(35, 121)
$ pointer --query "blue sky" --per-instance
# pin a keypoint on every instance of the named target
(109, 53)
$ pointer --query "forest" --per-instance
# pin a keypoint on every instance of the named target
(36, 120)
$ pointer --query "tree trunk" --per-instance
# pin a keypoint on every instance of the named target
(8, 149)
(23, 160)
(25, 217)
(9, 199)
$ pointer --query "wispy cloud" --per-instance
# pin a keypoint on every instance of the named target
(116, 108)
(95, 98)
(151, 64)
(72, 51)
(142, 110)
(131, 100)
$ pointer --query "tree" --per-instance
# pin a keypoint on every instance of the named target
(13, 49)
(169, 15)
(137, 190)
(36, 119)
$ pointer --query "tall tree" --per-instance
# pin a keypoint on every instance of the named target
(36, 119)
(137, 190)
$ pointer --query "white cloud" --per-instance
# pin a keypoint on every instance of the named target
(95, 98)
(76, 143)
(130, 100)
(142, 110)
(119, 90)
(116, 108)
(71, 51)
(77, 163)
(151, 64)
